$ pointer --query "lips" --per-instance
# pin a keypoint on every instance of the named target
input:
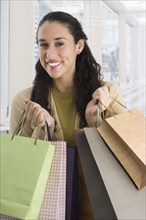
(54, 64)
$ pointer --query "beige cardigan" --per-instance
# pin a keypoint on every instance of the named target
(17, 109)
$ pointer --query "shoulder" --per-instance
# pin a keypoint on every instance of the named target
(114, 92)
(24, 94)
(108, 84)
(113, 89)
(21, 96)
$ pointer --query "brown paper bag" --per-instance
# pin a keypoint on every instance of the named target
(125, 136)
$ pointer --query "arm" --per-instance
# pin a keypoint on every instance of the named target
(35, 115)
(103, 100)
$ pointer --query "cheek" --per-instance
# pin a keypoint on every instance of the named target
(69, 54)
(69, 50)
(41, 53)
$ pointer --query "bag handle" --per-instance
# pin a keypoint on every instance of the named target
(21, 125)
(47, 130)
(119, 102)
(110, 109)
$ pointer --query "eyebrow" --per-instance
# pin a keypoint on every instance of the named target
(57, 38)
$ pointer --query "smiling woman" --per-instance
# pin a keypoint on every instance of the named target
(58, 51)
(65, 65)
(68, 89)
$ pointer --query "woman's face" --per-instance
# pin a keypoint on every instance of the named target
(57, 49)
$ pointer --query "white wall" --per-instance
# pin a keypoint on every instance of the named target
(22, 42)
(4, 58)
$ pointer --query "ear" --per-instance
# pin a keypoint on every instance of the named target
(80, 46)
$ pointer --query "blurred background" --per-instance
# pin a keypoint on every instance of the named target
(116, 36)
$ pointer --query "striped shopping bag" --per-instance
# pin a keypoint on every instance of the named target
(53, 206)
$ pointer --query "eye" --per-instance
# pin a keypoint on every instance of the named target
(43, 45)
(59, 44)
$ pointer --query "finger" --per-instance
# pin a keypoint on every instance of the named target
(101, 106)
(39, 117)
(31, 109)
(102, 95)
(40, 122)
(97, 94)
(102, 101)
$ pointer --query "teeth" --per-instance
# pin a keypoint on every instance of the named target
(54, 64)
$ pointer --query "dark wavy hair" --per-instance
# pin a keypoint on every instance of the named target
(88, 75)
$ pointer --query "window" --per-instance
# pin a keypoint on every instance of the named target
(110, 44)
(128, 51)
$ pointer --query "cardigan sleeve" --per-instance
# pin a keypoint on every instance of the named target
(117, 101)
(17, 108)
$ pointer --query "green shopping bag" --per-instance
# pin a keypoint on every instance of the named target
(25, 169)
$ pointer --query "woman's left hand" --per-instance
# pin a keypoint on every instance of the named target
(101, 99)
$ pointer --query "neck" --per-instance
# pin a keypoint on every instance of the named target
(62, 86)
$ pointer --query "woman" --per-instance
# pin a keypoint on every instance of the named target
(68, 89)
(68, 86)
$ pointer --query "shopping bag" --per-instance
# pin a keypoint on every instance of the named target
(6, 217)
(72, 192)
(54, 201)
(125, 136)
(100, 205)
(61, 194)
(71, 206)
(108, 185)
(25, 168)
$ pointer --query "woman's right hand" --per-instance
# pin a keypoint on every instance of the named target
(37, 115)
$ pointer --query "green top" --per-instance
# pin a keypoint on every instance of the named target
(66, 110)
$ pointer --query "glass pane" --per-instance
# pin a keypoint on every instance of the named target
(110, 45)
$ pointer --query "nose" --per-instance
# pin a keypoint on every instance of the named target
(51, 52)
